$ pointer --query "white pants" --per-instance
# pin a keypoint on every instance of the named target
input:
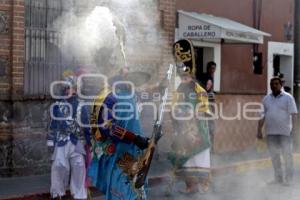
(66, 161)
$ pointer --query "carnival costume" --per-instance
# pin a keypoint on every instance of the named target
(68, 136)
(190, 154)
(119, 141)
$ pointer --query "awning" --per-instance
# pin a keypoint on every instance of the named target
(211, 28)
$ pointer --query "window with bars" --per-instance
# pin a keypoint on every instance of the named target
(43, 59)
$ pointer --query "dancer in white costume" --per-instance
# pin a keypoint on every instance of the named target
(69, 142)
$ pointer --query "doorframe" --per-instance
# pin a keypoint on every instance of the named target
(281, 49)
(217, 60)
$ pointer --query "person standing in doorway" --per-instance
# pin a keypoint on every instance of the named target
(279, 117)
(208, 78)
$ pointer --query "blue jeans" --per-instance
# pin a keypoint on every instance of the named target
(281, 145)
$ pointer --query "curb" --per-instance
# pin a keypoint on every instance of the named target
(247, 166)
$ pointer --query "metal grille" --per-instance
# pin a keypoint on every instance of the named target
(43, 59)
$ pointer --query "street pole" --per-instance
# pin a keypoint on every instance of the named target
(297, 62)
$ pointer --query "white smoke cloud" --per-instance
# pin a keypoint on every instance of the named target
(102, 34)
(99, 30)
(84, 36)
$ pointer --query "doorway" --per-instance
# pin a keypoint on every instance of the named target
(280, 63)
(204, 53)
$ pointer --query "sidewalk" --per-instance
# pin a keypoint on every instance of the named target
(17, 187)
(238, 163)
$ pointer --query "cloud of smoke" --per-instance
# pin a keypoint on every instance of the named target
(101, 34)
(92, 33)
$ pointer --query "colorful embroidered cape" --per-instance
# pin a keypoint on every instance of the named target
(114, 114)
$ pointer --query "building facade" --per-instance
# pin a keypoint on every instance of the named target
(31, 59)
(29, 62)
(238, 83)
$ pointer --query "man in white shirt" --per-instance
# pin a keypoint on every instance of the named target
(280, 113)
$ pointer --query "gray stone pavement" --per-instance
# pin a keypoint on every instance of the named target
(252, 185)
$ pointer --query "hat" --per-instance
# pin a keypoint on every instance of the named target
(69, 76)
(67, 72)
(185, 55)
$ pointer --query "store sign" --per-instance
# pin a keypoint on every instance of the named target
(200, 31)
(192, 29)
(241, 36)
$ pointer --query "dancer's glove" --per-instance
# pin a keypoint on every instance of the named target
(141, 142)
